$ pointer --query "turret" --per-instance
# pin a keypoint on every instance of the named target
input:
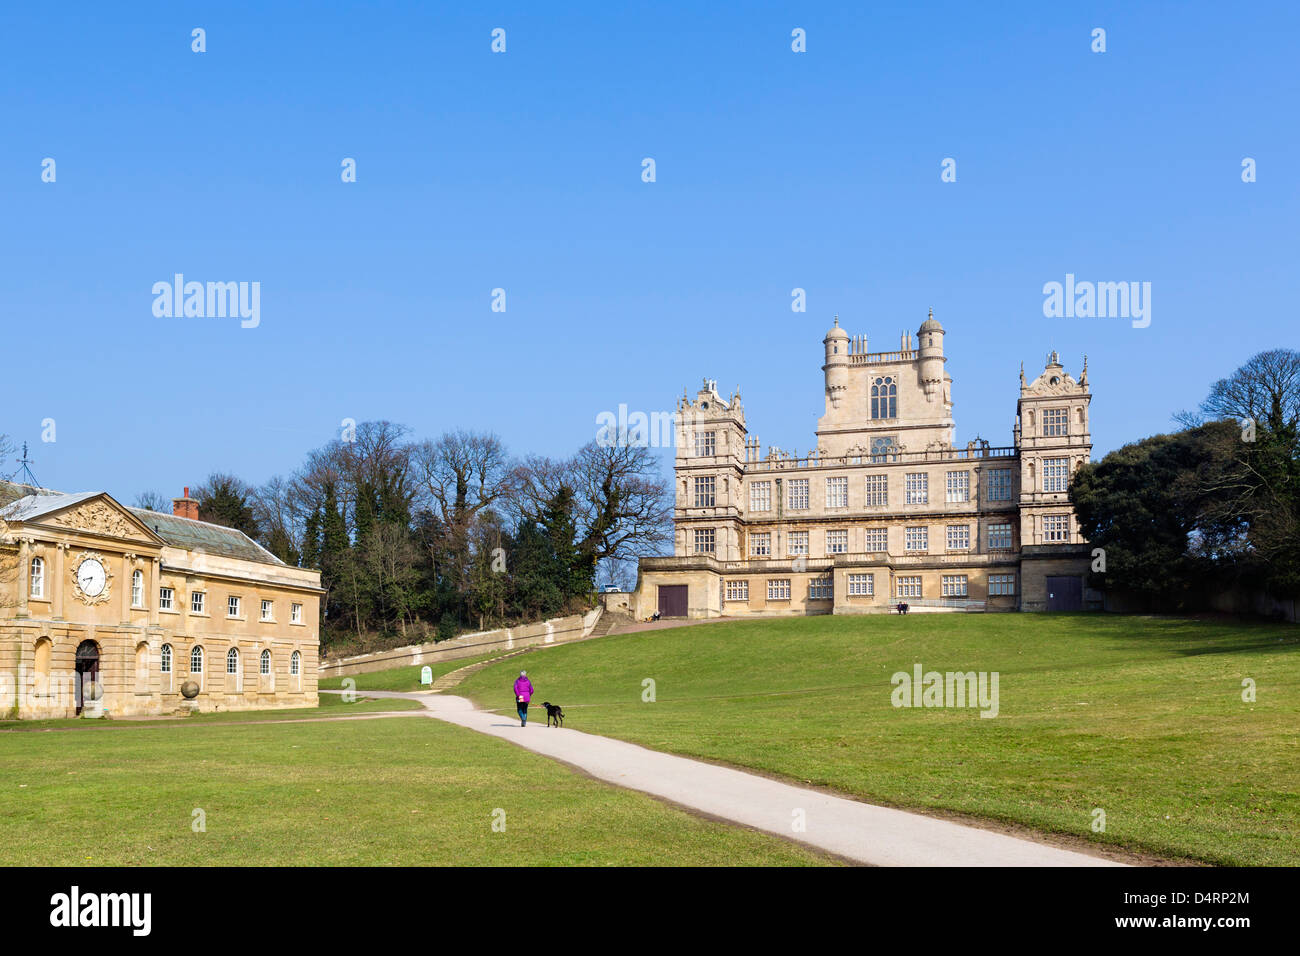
(837, 363)
(930, 339)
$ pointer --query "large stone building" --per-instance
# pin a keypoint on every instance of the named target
(886, 510)
(104, 607)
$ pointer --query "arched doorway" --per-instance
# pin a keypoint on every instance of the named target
(87, 670)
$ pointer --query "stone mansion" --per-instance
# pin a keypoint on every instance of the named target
(886, 510)
(112, 611)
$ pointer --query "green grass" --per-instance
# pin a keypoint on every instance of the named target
(331, 705)
(393, 791)
(1141, 717)
(404, 678)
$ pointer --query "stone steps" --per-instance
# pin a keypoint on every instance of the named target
(451, 679)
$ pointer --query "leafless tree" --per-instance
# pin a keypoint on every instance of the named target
(6, 450)
(389, 562)
(623, 504)
(1250, 476)
(153, 501)
(461, 474)
(380, 458)
(273, 507)
(626, 503)
(1266, 390)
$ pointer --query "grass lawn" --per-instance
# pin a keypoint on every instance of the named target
(408, 791)
(404, 678)
(1140, 717)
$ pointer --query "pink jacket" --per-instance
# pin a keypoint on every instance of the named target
(523, 689)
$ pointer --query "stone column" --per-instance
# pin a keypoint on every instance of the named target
(58, 584)
(24, 574)
(151, 598)
(128, 565)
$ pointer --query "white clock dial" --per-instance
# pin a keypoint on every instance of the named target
(91, 577)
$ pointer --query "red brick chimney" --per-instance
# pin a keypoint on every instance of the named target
(186, 507)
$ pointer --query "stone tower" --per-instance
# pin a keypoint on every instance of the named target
(712, 447)
(1053, 438)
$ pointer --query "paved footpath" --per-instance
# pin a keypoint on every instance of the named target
(859, 831)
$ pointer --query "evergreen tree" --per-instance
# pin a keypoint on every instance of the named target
(311, 540)
(225, 500)
(335, 566)
(533, 589)
(571, 572)
(280, 545)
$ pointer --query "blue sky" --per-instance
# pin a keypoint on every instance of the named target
(522, 171)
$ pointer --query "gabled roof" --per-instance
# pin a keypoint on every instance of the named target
(37, 506)
(186, 533)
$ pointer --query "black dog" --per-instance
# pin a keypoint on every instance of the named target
(553, 711)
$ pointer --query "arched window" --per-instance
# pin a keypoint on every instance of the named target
(38, 578)
(266, 662)
(137, 588)
(235, 678)
(884, 397)
(295, 663)
(196, 660)
(165, 667)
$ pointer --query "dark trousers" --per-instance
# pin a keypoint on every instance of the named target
(522, 707)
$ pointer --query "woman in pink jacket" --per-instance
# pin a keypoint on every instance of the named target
(523, 694)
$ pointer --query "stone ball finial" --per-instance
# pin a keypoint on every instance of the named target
(189, 690)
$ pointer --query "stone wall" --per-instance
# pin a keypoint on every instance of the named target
(556, 631)
(1039, 562)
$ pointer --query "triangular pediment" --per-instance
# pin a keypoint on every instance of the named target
(98, 515)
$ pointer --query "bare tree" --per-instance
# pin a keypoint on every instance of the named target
(1265, 390)
(389, 562)
(379, 459)
(324, 469)
(623, 504)
(534, 483)
(153, 501)
(626, 503)
(1252, 494)
(279, 520)
(462, 473)
(6, 449)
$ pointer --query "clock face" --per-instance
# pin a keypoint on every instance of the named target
(91, 577)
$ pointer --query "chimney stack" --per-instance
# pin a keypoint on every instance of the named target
(185, 507)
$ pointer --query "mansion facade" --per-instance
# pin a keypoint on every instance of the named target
(886, 510)
(116, 611)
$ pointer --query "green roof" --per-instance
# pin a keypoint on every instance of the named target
(205, 537)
